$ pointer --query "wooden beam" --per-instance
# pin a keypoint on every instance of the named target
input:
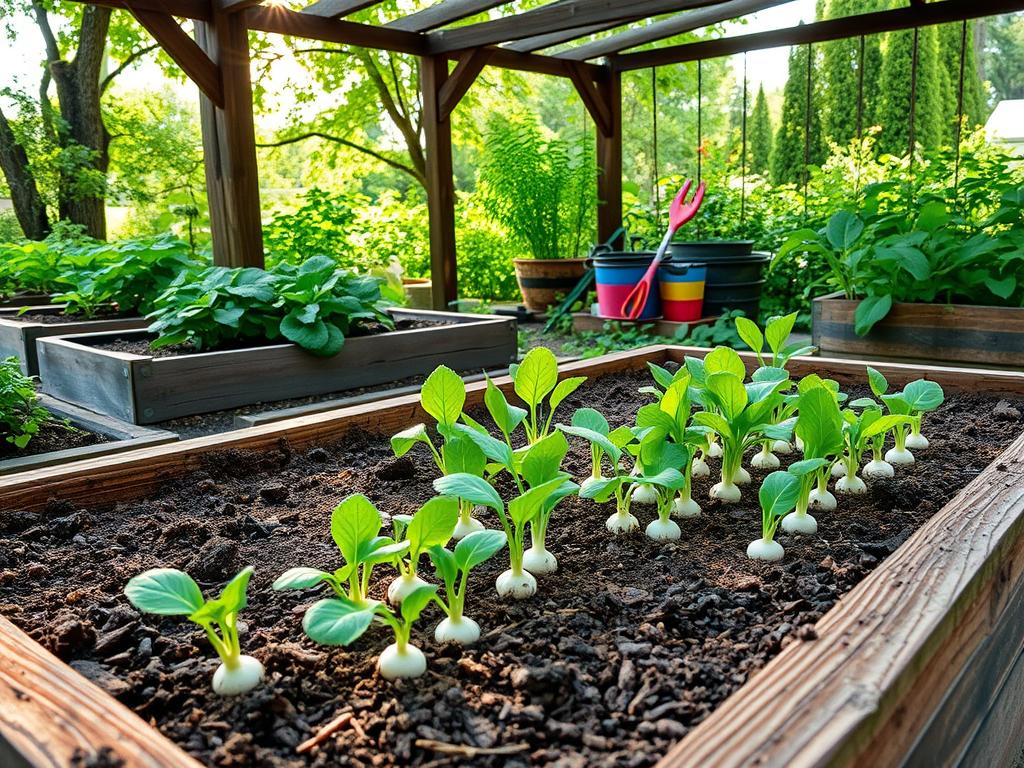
(186, 9)
(549, 39)
(440, 183)
(183, 50)
(234, 6)
(609, 160)
(532, 62)
(821, 31)
(659, 30)
(562, 14)
(284, 22)
(333, 9)
(441, 13)
(593, 99)
(229, 146)
(460, 80)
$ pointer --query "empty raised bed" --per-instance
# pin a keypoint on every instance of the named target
(917, 662)
(146, 388)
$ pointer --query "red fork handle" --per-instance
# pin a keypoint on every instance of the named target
(635, 302)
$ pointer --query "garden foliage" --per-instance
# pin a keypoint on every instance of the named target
(21, 416)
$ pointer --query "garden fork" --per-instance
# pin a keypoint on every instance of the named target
(679, 213)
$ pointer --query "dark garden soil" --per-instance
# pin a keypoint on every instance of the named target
(59, 318)
(621, 653)
(140, 346)
(52, 437)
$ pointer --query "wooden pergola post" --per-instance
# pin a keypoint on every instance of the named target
(609, 159)
(229, 145)
(437, 130)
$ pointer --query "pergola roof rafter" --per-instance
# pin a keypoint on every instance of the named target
(335, 9)
(443, 12)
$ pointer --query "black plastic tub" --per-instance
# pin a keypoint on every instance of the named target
(735, 273)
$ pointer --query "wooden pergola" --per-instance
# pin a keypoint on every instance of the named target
(217, 60)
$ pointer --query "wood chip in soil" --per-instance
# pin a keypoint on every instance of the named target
(629, 646)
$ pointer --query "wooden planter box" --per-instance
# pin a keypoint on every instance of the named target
(922, 663)
(18, 337)
(145, 390)
(123, 437)
(25, 300)
(948, 332)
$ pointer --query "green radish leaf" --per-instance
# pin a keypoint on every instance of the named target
(477, 547)
(354, 522)
(165, 592)
(444, 562)
(870, 311)
(312, 336)
(563, 389)
(234, 594)
(414, 602)
(666, 478)
(896, 404)
(715, 421)
(337, 621)
(778, 330)
(300, 578)
(596, 438)
(470, 488)
(750, 334)
(778, 493)
(843, 230)
(564, 491)
(443, 395)
(495, 450)
(806, 466)
(923, 395)
(863, 402)
(722, 359)
(526, 507)
(537, 376)
(882, 424)
(819, 423)
(620, 437)
(403, 442)
(433, 524)
(728, 392)
(877, 382)
(662, 377)
(651, 416)
(544, 458)
(770, 373)
(506, 417)
(591, 419)
(603, 489)
(461, 454)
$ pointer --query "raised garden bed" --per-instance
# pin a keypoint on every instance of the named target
(975, 335)
(25, 300)
(919, 662)
(94, 435)
(147, 388)
(19, 333)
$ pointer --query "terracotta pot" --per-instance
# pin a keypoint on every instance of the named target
(544, 282)
(417, 292)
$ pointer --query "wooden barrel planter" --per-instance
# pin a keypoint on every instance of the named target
(147, 388)
(957, 333)
(544, 282)
(922, 663)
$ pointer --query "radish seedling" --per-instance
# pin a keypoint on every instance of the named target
(619, 486)
(660, 461)
(778, 495)
(535, 379)
(340, 621)
(453, 569)
(433, 525)
(170, 592)
(355, 528)
(858, 432)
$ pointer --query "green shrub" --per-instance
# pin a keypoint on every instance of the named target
(21, 416)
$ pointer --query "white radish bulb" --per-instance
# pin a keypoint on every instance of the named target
(823, 500)
(699, 468)
(685, 508)
(742, 477)
(851, 484)
(797, 523)
(465, 527)
(782, 446)
(645, 494)
(877, 468)
(714, 450)
(838, 469)
(917, 441)
(463, 631)
(798, 443)
(241, 678)
(394, 663)
(663, 530)
(728, 493)
(538, 560)
(402, 586)
(897, 456)
(764, 460)
(763, 549)
(518, 586)
(622, 523)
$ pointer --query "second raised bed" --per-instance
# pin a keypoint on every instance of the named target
(146, 389)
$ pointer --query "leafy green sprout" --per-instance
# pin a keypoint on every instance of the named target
(355, 528)
(453, 568)
(21, 415)
(777, 496)
(917, 398)
(776, 333)
(660, 460)
(170, 592)
(340, 621)
(536, 383)
(432, 525)
(859, 430)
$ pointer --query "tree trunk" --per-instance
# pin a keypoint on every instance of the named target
(78, 93)
(28, 204)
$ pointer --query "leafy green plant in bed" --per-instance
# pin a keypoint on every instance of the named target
(21, 416)
(453, 567)
(313, 305)
(170, 592)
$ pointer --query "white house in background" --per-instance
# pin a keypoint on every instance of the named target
(1006, 124)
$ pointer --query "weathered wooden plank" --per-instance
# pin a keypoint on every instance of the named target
(609, 161)
(18, 337)
(49, 712)
(97, 380)
(437, 131)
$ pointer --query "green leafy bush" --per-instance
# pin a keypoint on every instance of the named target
(21, 416)
(313, 305)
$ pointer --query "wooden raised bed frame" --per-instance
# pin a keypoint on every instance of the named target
(958, 333)
(143, 389)
(921, 662)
